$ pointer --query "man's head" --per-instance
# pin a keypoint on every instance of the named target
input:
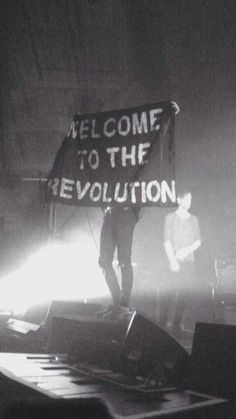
(184, 200)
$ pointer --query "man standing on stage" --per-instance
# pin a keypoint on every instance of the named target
(117, 233)
(181, 240)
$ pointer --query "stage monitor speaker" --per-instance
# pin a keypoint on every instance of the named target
(37, 313)
(71, 310)
(213, 360)
(151, 352)
(44, 313)
(32, 332)
(86, 340)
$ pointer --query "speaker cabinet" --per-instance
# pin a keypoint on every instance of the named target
(142, 348)
(44, 313)
(226, 275)
(213, 360)
(87, 340)
(151, 352)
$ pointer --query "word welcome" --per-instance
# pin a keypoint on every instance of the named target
(121, 125)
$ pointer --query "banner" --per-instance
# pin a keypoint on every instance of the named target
(123, 157)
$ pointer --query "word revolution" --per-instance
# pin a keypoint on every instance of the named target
(101, 193)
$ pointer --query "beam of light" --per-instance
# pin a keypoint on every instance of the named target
(55, 272)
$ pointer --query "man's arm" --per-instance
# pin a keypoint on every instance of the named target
(168, 246)
(181, 254)
(174, 264)
(176, 108)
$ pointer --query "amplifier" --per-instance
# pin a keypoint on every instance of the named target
(226, 276)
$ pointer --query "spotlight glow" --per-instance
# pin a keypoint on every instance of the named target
(56, 271)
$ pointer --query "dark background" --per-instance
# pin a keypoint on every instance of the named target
(59, 57)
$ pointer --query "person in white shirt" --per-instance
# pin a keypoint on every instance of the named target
(181, 239)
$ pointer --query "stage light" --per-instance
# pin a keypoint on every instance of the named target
(56, 271)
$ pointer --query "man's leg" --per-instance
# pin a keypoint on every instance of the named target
(181, 305)
(127, 283)
(166, 300)
(184, 295)
(126, 224)
(107, 248)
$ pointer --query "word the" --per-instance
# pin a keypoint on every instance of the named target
(134, 155)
